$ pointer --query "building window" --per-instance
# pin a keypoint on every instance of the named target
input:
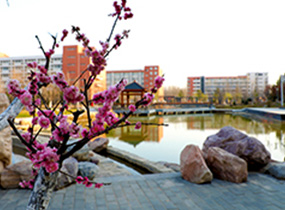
(71, 72)
(155, 73)
(71, 56)
(71, 49)
(70, 64)
(82, 64)
(150, 73)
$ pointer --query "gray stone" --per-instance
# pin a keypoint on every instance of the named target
(88, 169)
(248, 148)
(69, 166)
(98, 144)
(277, 170)
(18, 158)
(82, 154)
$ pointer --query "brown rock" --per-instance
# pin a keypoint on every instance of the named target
(14, 174)
(226, 166)
(98, 144)
(1, 166)
(233, 141)
(193, 166)
(6, 146)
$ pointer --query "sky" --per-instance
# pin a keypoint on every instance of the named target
(184, 37)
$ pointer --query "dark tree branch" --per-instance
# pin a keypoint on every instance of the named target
(114, 25)
(11, 123)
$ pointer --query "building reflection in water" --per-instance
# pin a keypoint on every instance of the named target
(134, 136)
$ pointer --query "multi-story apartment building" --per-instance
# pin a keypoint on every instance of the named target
(247, 85)
(144, 77)
(257, 82)
(16, 67)
(72, 63)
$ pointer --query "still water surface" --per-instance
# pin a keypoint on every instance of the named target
(166, 143)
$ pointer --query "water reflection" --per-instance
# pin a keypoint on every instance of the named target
(146, 133)
(166, 143)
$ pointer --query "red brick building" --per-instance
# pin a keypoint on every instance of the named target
(143, 77)
(74, 62)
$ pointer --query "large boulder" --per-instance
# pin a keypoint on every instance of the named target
(226, 166)
(193, 167)
(98, 144)
(248, 148)
(82, 154)
(69, 166)
(276, 169)
(15, 173)
(1, 166)
(88, 169)
(5, 136)
(6, 146)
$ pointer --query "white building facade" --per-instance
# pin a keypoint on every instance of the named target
(11, 66)
(257, 82)
(248, 85)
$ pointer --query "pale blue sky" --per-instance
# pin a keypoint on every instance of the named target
(184, 37)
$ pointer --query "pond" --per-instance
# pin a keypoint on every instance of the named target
(166, 143)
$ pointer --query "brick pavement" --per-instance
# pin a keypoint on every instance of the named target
(160, 192)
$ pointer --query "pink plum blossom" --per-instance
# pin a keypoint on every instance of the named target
(64, 34)
(138, 125)
(59, 80)
(44, 122)
(148, 98)
(32, 65)
(98, 185)
(72, 95)
(79, 179)
(84, 132)
(158, 81)
(51, 167)
(14, 88)
(26, 98)
(45, 156)
(27, 136)
(132, 108)
(87, 182)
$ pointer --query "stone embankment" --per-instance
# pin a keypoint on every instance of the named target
(137, 161)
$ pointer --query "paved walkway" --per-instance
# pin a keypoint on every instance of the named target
(159, 192)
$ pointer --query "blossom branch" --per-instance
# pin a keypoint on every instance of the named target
(76, 178)
(114, 25)
(47, 54)
(11, 123)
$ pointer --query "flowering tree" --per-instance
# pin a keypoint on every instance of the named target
(47, 158)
